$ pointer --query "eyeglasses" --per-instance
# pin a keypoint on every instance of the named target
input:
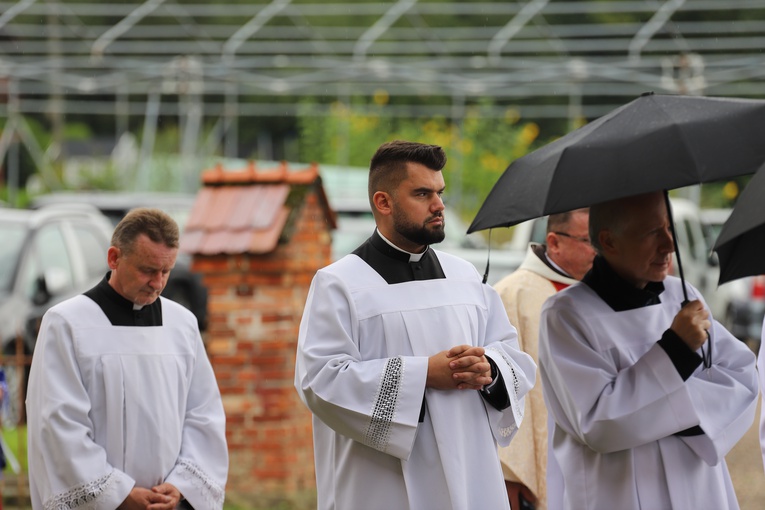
(585, 240)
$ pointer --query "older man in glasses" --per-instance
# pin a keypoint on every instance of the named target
(547, 268)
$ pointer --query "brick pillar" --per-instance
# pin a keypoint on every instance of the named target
(255, 306)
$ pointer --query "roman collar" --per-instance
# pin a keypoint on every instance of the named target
(120, 311)
(394, 265)
(617, 292)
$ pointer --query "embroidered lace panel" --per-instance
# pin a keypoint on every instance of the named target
(385, 404)
(514, 398)
(213, 493)
(516, 382)
(83, 495)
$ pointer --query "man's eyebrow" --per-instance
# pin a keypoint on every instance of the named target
(427, 190)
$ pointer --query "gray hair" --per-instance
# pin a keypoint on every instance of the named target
(157, 225)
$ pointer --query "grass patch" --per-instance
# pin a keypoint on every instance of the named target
(16, 440)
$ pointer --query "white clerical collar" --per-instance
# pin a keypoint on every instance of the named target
(556, 266)
(413, 257)
(137, 307)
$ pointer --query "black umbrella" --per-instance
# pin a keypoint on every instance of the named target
(741, 243)
(652, 143)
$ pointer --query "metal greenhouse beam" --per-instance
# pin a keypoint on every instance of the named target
(380, 26)
(251, 28)
(125, 24)
(503, 36)
(647, 31)
(230, 48)
(14, 11)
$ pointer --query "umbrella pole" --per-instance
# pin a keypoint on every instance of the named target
(705, 356)
(488, 255)
(677, 249)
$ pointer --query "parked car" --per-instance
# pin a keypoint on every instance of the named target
(183, 286)
(46, 256)
(740, 304)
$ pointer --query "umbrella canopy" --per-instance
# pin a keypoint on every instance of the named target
(741, 243)
(652, 143)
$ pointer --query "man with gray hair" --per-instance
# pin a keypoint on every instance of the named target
(561, 261)
(123, 406)
(643, 413)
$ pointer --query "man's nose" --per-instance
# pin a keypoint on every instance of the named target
(156, 281)
(437, 204)
(668, 240)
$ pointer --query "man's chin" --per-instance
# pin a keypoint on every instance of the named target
(436, 235)
(435, 239)
(146, 301)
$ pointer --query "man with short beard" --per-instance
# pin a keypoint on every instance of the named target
(407, 360)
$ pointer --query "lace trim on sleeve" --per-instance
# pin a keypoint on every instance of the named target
(82, 496)
(516, 386)
(212, 492)
(385, 404)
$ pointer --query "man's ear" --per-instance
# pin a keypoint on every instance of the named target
(607, 240)
(111, 256)
(382, 202)
(551, 240)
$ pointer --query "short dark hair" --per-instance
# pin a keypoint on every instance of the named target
(157, 225)
(388, 166)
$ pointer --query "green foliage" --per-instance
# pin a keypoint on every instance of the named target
(77, 131)
(479, 148)
(16, 439)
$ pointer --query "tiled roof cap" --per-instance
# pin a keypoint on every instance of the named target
(245, 211)
(251, 175)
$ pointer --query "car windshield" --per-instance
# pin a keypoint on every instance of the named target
(12, 235)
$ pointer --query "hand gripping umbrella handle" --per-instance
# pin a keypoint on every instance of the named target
(705, 356)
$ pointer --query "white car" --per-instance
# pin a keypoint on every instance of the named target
(739, 304)
(46, 256)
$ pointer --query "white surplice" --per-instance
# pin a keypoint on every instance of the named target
(618, 401)
(523, 293)
(361, 367)
(761, 373)
(112, 407)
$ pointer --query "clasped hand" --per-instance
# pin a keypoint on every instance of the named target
(463, 367)
(691, 324)
(161, 497)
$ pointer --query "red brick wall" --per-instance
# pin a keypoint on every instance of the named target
(255, 306)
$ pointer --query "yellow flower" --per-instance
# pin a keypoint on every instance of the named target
(730, 190)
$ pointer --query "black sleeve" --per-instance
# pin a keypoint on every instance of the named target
(497, 395)
(685, 361)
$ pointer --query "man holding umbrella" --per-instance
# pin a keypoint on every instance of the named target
(643, 415)
(562, 260)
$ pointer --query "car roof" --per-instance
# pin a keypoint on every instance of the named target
(34, 218)
(715, 215)
(115, 200)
